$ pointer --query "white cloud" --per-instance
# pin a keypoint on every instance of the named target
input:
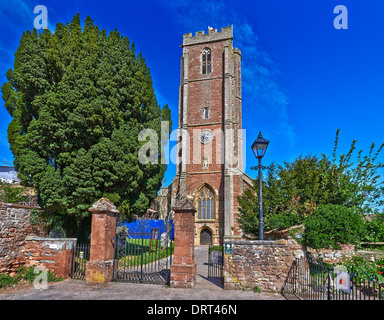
(17, 15)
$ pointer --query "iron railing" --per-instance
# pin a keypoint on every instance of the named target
(310, 279)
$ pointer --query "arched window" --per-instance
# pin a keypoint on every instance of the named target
(205, 162)
(206, 204)
(207, 61)
(205, 113)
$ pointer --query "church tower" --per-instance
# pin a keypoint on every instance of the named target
(210, 160)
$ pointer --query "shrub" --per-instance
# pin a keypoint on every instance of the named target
(25, 275)
(12, 194)
(6, 280)
(256, 289)
(331, 226)
(369, 270)
(374, 229)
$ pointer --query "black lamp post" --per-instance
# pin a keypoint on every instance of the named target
(259, 147)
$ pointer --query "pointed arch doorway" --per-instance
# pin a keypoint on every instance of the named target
(205, 237)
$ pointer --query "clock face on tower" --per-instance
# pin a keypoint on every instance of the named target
(206, 136)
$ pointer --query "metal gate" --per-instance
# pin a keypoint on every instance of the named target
(143, 254)
(216, 263)
(80, 256)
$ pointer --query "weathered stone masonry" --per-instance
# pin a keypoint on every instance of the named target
(55, 254)
(14, 229)
(183, 269)
(100, 266)
(264, 264)
(326, 255)
(23, 244)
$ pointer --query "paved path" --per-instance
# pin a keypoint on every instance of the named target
(79, 290)
(201, 260)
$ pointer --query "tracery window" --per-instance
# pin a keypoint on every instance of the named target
(207, 61)
(206, 204)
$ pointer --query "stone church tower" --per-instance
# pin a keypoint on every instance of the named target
(210, 159)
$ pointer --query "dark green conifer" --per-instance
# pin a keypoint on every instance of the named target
(79, 99)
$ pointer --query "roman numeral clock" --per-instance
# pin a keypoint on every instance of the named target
(206, 136)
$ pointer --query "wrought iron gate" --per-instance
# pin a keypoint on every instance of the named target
(216, 263)
(80, 256)
(143, 254)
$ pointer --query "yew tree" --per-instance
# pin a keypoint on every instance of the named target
(79, 98)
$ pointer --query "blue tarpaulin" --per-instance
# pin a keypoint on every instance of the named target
(141, 228)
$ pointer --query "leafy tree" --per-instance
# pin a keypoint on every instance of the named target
(358, 183)
(333, 225)
(79, 99)
(292, 191)
(374, 229)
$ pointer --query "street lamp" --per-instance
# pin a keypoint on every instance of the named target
(259, 147)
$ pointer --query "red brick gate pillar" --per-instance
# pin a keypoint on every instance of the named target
(99, 268)
(183, 269)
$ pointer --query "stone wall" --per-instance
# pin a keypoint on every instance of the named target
(264, 264)
(55, 254)
(14, 229)
(24, 244)
(370, 254)
(332, 256)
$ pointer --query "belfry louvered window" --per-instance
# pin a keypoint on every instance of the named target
(206, 204)
(207, 61)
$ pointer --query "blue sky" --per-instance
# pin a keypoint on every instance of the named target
(302, 79)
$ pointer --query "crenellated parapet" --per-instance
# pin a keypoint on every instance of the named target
(212, 35)
(237, 51)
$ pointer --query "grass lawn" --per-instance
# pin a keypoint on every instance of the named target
(138, 251)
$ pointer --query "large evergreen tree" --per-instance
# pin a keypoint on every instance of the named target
(79, 99)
